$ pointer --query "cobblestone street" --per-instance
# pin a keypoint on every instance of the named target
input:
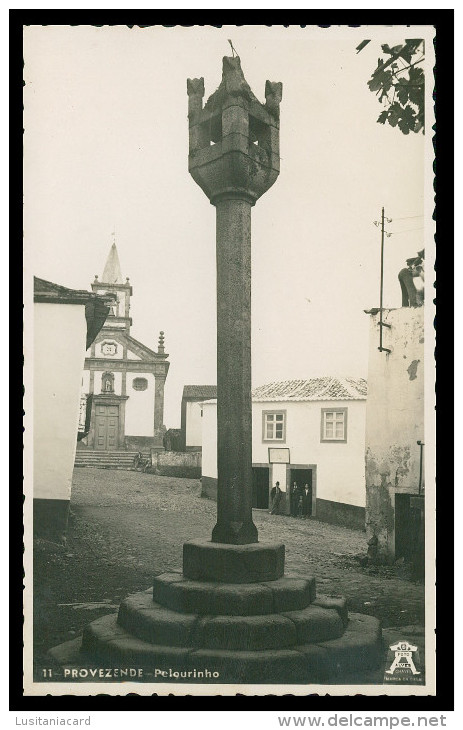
(127, 526)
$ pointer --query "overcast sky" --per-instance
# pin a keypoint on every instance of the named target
(106, 148)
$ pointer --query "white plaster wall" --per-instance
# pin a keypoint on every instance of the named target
(278, 474)
(112, 326)
(193, 424)
(131, 355)
(98, 381)
(340, 466)
(86, 381)
(121, 301)
(59, 353)
(395, 406)
(139, 408)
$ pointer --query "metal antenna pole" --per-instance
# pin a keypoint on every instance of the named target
(420, 444)
(381, 323)
(381, 283)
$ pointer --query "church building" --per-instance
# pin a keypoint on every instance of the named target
(123, 378)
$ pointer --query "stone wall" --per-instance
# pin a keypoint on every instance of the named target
(209, 487)
(174, 464)
(394, 420)
(139, 443)
(338, 513)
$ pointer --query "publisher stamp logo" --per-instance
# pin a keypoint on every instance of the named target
(404, 664)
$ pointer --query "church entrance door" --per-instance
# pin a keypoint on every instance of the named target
(107, 427)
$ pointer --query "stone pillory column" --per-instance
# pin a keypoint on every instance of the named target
(232, 608)
(234, 158)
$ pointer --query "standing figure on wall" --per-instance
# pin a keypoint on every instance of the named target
(412, 281)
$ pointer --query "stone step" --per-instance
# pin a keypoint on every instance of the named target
(103, 456)
(124, 464)
(98, 452)
(100, 457)
(178, 593)
(106, 459)
(148, 620)
(82, 453)
(115, 467)
(358, 649)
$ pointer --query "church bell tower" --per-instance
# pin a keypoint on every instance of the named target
(119, 314)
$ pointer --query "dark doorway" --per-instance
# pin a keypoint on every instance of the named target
(409, 527)
(303, 477)
(260, 477)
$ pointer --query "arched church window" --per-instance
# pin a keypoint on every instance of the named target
(107, 383)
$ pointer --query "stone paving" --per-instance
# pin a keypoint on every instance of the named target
(126, 527)
(147, 519)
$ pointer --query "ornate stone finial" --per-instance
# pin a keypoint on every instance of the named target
(273, 96)
(233, 76)
(161, 342)
(195, 90)
(127, 279)
(96, 277)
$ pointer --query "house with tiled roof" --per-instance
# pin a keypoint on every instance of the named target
(309, 433)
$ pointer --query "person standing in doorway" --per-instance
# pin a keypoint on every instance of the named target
(306, 501)
(294, 499)
(276, 498)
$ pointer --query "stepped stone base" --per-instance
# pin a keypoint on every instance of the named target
(260, 631)
(181, 594)
(339, 661)
(215, 561)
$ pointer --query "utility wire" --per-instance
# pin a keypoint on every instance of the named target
(407, 217)
(395, 233)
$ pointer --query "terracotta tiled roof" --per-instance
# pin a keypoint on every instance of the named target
(200, 391)
(328, 388)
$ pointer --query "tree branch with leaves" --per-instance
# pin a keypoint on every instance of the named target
(398, 82)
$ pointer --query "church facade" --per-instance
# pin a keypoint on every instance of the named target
(124, 378)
